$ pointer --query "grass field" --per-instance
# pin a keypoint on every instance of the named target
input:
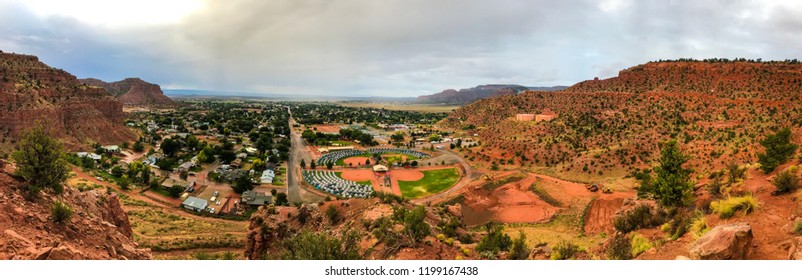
(434, 181)
(162, 231)
(402, 107)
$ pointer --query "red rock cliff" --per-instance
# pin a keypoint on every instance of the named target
(31, 92)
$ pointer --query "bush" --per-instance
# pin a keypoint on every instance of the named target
(619, 248)
(736, 172)
(785, 182)
(333, 214)
(640, 244)
(309, 245)
(519, 251)
(639, 217)
(495, 240)
(565, 250)
(40, 160)
(798, 227)
(60, 212)
(726, 208)
(699, 227)
(778, 150)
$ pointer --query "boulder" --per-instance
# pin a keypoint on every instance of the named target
(724, 242)
(64, 252)
(455, 210)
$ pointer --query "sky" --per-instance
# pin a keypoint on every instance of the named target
(391, 48)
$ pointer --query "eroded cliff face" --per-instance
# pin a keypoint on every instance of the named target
(134, 92)
(98, 229)
(31, 92)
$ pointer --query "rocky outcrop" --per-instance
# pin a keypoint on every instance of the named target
(98, 228)
(32, 92)
(465, 96)
(724, 242)
(134, 92)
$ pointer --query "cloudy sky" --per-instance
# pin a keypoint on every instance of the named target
(386, 47)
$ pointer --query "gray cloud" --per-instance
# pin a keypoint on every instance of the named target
(403, 48)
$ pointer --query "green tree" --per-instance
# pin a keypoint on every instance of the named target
(303, 164)
(778, 150)
(312, 165)
(175, 190)
(202, 156)
(170, 146)
(145, 174)
(673, 185)
(495, 240)
(123, 182)
(242, 184)
(415, 224)
(281, 199)
(519, 251)
(138, 147)
(398, 137)
(329, 165)
(40, 160)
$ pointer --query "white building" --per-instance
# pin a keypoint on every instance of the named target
(267, 176)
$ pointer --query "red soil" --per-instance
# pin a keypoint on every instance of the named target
(510, 203)
(328, 128)
(355, 161)
(406, 175)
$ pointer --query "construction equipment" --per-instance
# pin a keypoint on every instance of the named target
(593, 187)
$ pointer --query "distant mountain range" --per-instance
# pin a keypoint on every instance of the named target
(134, 92)
(465, 96)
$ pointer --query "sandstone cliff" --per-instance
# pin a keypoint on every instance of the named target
(98, 229)
(31, 92)
(134, 92)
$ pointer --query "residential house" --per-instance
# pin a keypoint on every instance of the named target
(195, 204)
(185, 167)
(111, 149)
(267, 176)
(256, 198)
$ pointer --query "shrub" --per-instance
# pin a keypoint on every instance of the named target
(714, 187)
(726, 208)
(565, 250)
(640, 244)
(495, 240)
(785, 182)
(333, 214)
(519, 251)
(798, 227)
(40, 160)
(639, 217)
(778, 150)
(60, 212)
(309, 245)
(673, 186)
(699, 227)
(619, 248)
(736, 172)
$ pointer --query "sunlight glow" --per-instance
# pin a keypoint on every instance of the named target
(118, 14)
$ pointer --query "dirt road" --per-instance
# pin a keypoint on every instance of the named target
(298, 152)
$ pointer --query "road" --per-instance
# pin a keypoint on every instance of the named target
(469, 176)
(295, 193)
